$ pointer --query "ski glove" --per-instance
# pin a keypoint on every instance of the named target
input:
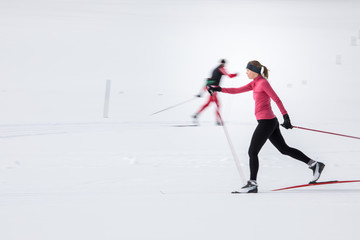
(287, 123)
(212, 89)
(232, 75)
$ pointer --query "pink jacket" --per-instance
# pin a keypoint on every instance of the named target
(262, 92)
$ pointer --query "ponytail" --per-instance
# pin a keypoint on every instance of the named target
(265, 72)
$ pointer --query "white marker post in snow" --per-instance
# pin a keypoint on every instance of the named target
(107, 98)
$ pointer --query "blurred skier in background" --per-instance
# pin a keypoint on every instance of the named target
(215, 79)
(268, 125)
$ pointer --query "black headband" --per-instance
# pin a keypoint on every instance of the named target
(254, 68)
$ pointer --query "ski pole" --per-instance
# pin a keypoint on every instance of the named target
(337, 134)
(236, 159)
(174, 106)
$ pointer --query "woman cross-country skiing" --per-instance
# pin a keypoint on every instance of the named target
(215, 79)
(268, 125)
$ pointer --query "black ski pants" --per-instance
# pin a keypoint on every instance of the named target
(269, 129)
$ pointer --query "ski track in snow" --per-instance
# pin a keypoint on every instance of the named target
(156, 177)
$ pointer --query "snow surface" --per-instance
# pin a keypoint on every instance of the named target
(68, 173)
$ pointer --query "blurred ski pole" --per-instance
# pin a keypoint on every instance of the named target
(337, 134)
(236, 159)
(174, 106)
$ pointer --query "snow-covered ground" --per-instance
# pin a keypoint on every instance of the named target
(68, 173)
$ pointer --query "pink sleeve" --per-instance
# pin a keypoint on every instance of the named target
(245, 88)
(223, 71)
(271, 93)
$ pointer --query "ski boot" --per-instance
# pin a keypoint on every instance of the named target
(250, 187)
(317, 168)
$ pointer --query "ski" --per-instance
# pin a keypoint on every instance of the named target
(316, 184)
(185, 125)
(237, 192)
